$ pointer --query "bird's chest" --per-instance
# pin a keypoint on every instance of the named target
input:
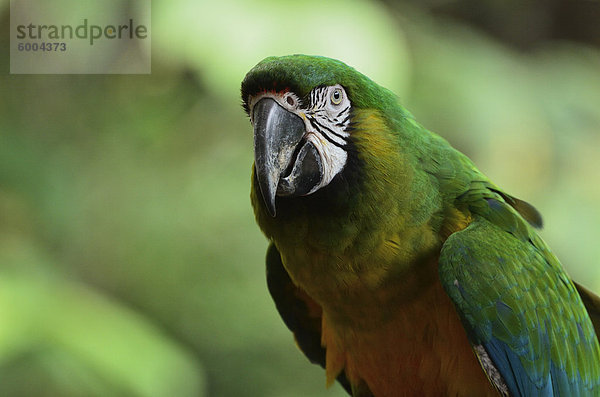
(422, 350)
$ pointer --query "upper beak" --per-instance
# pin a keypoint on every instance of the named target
(277, 133)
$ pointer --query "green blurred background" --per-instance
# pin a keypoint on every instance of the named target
(130, 263)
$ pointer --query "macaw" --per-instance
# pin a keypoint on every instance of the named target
(399, 267)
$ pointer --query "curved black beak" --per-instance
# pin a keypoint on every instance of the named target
(277, 133)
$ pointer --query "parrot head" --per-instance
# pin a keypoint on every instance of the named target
(302, 109)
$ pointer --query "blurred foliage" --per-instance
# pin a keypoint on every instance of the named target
(523, 24)
(130, 263)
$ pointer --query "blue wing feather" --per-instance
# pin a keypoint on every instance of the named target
(514, 374)
(516, 301)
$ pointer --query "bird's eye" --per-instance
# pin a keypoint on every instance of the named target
(336, 96)
(290, 100)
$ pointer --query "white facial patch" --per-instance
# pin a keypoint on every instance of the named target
(333, 159)
(327, 118)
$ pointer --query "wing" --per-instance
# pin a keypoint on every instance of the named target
(298, 311)
(524, 317)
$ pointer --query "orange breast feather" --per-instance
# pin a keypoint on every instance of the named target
(422, 351)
